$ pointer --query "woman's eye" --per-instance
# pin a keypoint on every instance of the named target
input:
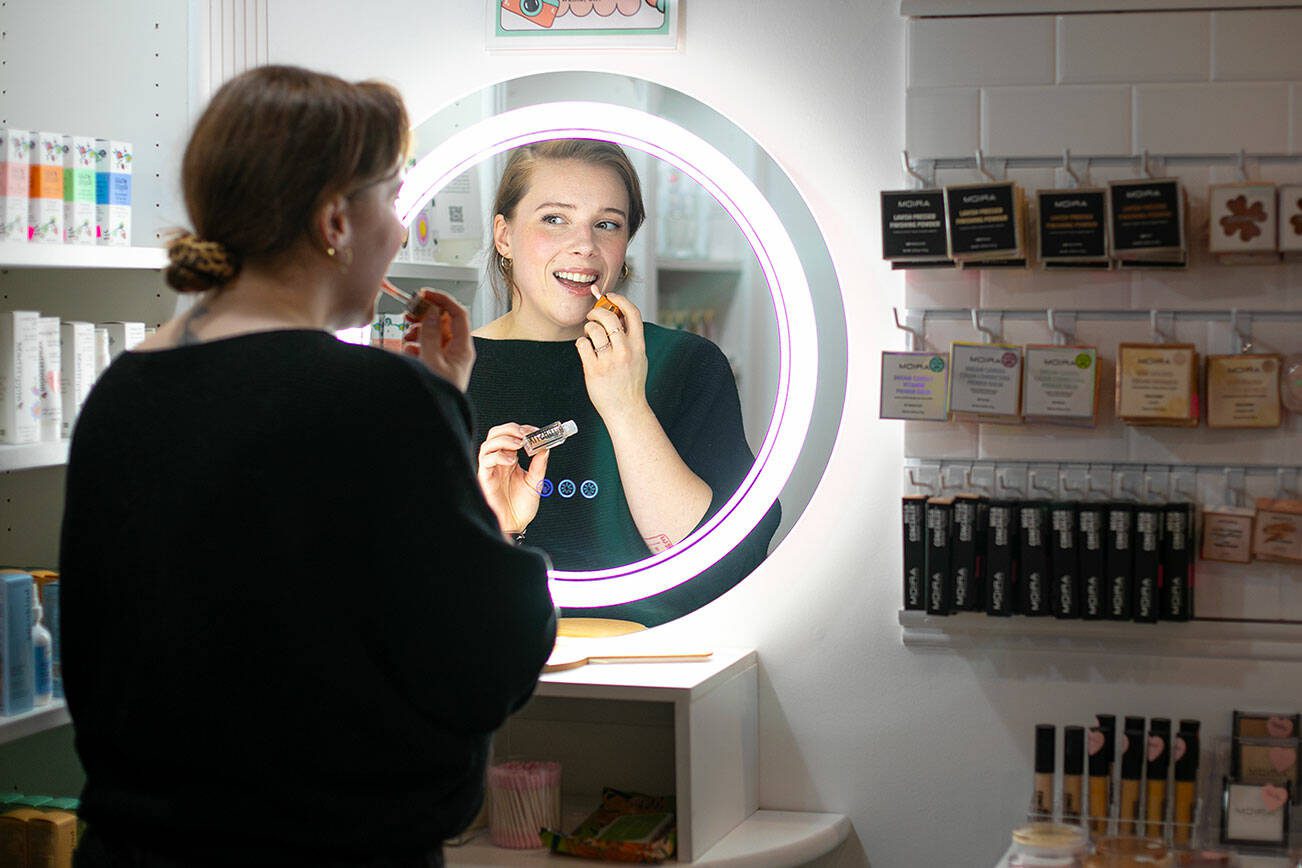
(609, 225)
(554, 219)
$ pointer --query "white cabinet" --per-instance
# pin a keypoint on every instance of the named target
(690, 729)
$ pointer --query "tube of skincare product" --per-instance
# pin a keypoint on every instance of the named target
(1073, 768)
(1132, 770)
(550, 437)
(1159, 760)
(1046, 735)
(1185, 750)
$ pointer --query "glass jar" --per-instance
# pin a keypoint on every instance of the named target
(1124, 851)
(1047, 845)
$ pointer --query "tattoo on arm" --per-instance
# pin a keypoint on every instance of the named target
(188, 336)
(658, 543)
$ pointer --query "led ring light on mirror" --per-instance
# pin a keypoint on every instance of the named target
(777, 257)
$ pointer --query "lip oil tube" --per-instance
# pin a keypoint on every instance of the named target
(1132, 770)
(606, 303)
(1100, 781)
(1159, 761)
(1185, 748)
(1073, 767)
(552, 436)
(1042, 802)
(416, 305)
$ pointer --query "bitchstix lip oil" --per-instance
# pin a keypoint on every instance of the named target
(550, 437)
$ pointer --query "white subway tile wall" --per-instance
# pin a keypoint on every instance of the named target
(1257, 45)
(1167, 46)
(1175, 83)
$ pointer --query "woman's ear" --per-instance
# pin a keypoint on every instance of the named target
(333, 226)
(500, 238)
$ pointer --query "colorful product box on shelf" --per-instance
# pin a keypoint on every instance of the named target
(1290, 219)
(1241, 223)
(50, 599)
(77, 366)
(15, 182)
(122, 336)
(45, 206)
(17, 672)
(51, 838)
(422, 243)
(50, 375)
(78, 190)
(19, 376)
(113, 192)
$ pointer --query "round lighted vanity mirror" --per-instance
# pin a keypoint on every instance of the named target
(728, 250)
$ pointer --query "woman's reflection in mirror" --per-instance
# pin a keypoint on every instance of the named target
(660, 444)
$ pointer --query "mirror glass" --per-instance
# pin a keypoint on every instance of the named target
(692, 271)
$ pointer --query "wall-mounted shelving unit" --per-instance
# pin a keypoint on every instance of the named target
(31, 722)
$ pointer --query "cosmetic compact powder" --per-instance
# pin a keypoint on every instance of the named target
(1047, 845)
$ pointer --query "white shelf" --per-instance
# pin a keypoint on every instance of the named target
(19, 255)
(1197, 638)
(645, 681)
(434, 271)
(706, 265)
(33, 455)
(1244, 861)
(766, 839)
(31, 722)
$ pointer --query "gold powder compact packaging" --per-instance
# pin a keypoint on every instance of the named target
(1157, 384)
(913, 229)
(1073, 228)
(1243, 391)
(1277, 533)
(987, 225)
(1290, 220)
(915, 387)
(1227, 534)
(985, 382)
(1241, 223)
(1061, 384)
(1147, 220)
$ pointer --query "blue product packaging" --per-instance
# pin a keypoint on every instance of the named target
(50, 600)
(17, 680)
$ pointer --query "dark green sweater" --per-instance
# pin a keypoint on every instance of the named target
(290, 622)
(583, 521)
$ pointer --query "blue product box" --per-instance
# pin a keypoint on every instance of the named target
(17, 672)
(50, 602)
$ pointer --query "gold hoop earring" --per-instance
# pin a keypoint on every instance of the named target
(624, 272)
(504, 265)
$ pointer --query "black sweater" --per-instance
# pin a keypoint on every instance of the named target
(290, 622)
(583, 520)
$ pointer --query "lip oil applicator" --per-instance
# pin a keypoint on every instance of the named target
(416, 306)
(606, 303)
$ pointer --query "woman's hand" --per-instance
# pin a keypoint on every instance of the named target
(614, 358)
(511, 491)
(441, 338)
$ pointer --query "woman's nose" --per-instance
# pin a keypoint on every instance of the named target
(582, 239)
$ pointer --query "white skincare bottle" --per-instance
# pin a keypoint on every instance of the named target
(546, 438)
(41, 645)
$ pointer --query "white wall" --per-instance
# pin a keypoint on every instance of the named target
(927, 752)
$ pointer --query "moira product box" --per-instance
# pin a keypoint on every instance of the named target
(1290, 219)
(78, 190)
(17, 675)
(15, 180)
(50, 373)
(45, 191)
(113, 192)
(19, 376)
(77, 366)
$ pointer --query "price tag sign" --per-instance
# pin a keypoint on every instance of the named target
(915, 386)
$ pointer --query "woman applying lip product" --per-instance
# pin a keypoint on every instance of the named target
(660, 444)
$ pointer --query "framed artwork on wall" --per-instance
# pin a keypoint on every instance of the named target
(569, 24)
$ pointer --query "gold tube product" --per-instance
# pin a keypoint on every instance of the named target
(1159, 762)
(1100, 781)
(1185, 749)
(1132, 770)
(1073, 769)
(1042, 801)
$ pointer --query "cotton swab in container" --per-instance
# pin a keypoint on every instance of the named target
(523, 797)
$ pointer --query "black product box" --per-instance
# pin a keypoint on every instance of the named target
(1073, 224)
(1001, 557)
(1119, 561)
(1178, 562)
(915, 552)
(940, 555)
(913, 227)
(1091, 527)
(983, 219)
(970, 516)
(1146, 215)
(1065, 601)
(1034, 562)
(1148, 563)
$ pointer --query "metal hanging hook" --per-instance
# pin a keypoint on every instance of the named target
(989, 335)
(981, 166)
(917, 339)
(910, 171)
(1242, 333)
(1243, 165)
(1156, 331)
(1143, 164)
(1061, 336)
(1066, 167)
(924, 484)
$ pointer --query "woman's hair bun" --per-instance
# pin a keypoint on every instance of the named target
(196, 265)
